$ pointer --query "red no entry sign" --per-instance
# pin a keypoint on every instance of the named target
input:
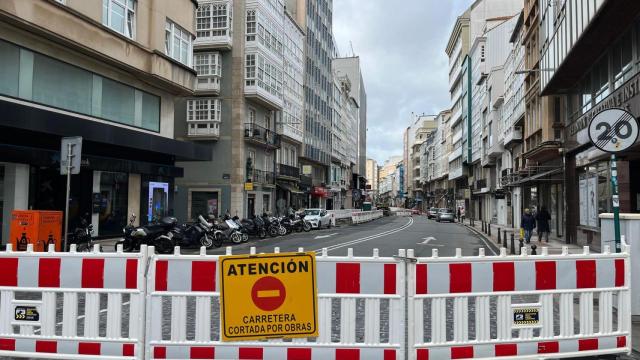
(268, 293)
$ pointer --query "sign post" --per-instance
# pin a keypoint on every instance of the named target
(614, 131)
(70, 156)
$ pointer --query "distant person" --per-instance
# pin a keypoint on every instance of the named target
(459, 214)
(528, 223)
(543, 217)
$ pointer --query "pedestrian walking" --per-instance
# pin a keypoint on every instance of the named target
(542, 218)
(459, 214)
(528, 223)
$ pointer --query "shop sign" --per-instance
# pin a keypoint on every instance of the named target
(307, 170)
(499, 194)
(248, 186)
(319, 191)
(268, 296)
(621, 98)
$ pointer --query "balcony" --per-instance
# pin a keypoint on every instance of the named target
(259, 135)
(254, 90)
(290, 131)
(208, 84)
(487, 161)
(495, 150)
(455, 173)
(263, 177)
(455, 153)
(512, 136)
(213, 25)
(480, 184)
(203, 130)
(288, 172)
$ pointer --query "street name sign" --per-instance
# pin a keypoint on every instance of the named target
(268, 296)
(70, 155)
(613, 130)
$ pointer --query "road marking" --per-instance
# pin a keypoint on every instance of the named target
(427, 240)
(367, 238)
(324, 236)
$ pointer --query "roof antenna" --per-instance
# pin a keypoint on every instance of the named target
(353, 53)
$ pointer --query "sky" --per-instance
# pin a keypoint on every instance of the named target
(404, 65)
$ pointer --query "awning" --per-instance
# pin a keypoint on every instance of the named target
(543, 176)
(290, 188)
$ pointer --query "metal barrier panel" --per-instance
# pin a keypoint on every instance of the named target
(360, 311)
(464, 307)
(90, 305)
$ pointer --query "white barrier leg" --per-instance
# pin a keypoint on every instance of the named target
(586, 313)
(438, 320)
(504, 317)
(70, 314)
(6, 313)
(91, 314)
(203, 318)
(348, 320)
(179, 318)
(566, 314)
(324, 320)
(372, 321)
(48, 315)
(114, 315)
(483, 319)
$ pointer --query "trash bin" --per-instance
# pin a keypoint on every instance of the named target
(36, 227)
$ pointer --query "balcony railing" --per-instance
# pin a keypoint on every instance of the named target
(263, 177)
(480, 184)
(208, 84)
(291, 132)
(261, 136)
(288, 171)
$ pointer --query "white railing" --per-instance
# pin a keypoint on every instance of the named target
(359, 217)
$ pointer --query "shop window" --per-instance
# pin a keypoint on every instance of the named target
(266, 203)
(9, 71)
(204, 203)
(114, 197)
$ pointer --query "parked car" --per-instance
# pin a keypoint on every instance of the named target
(445, 215)
(318, 218)
(432, 213)
(415, 212)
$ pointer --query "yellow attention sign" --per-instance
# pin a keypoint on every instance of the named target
(268, 296)
(248, 186)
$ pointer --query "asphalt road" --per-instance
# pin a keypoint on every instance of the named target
(387, 234)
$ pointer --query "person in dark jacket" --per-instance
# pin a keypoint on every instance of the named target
(543, 217)
(528, 223)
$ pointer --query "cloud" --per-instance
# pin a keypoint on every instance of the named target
(401, 46)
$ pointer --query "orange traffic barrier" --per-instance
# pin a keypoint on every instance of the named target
(36, 227)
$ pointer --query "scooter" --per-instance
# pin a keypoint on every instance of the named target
(254, 227)
(194, 235)
(158, 234)
(81, 236)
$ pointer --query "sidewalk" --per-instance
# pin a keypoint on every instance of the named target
(554, 247)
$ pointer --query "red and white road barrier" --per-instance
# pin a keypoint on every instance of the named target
(458, 307)
(72, 280)
(359, 217)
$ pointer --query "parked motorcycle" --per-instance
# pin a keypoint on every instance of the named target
(253, 227)
(158, 234)
(299, 224)
(195, 235)
(81, 236)
(271, 224)
(228, 229)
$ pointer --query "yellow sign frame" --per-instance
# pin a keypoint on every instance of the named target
(295, 312)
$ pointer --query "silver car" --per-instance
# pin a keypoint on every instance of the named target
(445, 215)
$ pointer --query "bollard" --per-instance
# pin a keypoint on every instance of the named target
(504, 239)
(533, 250)
(489, 229)
(513, 245)
(505, 235)
(521, 241)
(499, 239)
(484, 227)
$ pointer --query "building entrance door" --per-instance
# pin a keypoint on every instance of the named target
(251, 205)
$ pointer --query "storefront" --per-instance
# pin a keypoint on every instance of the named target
(123, 171)
(588, 169)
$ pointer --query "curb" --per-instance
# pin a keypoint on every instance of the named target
(488, 241)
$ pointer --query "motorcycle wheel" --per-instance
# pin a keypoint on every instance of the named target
(273, 231)
(218, 239)
(245, 237)
(262, 233)
(282, 231)
(83, 247)
(306, 227)
(236, 238)
(206, 240)
(164, 245)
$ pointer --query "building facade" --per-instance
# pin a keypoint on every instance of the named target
(110, 72)
(250, 46)
(588, 62)
(371, 174)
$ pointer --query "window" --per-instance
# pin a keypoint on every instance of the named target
(212, 20)
(207, 64)
(251, 115)
(120, 15)
(177, 43)
(251, 25)
(250, 70)
(204, 203)
(203, 110)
